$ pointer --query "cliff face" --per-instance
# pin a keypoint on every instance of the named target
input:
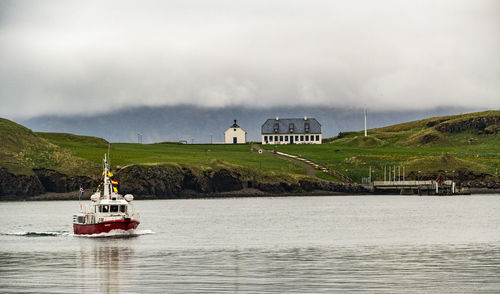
(181, 182)
(163, 182)
(21, 185)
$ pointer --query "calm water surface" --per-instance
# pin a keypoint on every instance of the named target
(386, 244)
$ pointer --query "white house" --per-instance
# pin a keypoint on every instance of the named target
(291, 131)
(235, 135)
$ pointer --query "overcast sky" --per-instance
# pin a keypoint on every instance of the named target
(65, 57)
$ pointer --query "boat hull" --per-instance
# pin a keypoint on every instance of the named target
(104, 227)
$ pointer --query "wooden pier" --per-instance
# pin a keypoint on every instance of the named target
(428, 187)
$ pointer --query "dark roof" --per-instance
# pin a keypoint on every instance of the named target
(284, 124)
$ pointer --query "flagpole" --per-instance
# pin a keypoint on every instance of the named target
(79, 197)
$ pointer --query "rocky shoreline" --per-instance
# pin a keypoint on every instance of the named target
(162, 182)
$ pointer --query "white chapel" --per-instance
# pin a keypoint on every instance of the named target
(235, 135)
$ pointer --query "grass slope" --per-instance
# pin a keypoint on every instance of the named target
(22, 150)
(211, 156)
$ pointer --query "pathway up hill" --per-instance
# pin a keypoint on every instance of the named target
(461, 147)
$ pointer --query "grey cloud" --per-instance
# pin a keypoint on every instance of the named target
(89, 56)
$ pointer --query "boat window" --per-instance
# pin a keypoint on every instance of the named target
(105, 208)
(114, 208)
(123, 208)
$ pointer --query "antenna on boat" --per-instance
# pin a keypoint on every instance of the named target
(109, 147)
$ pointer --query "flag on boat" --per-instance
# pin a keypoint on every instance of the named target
(81, 190)
(114, 189)
(110, 174)
(114, 182)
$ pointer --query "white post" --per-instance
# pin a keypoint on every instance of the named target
(365, 124)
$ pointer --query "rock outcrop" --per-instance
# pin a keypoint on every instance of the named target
(482, 124)
(19, 185)
(54, 181)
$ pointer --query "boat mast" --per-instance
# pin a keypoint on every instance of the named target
(107, 183)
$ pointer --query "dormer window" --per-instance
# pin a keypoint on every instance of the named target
(276, 128)
(291, 127)
(306, 127)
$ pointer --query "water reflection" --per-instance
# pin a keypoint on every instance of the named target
(105, 267)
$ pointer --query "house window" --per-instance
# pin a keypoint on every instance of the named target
(296, 138)
(276, 138)
(286, 138)
(265, 138)
(270, 138)
(301, 138)
(317, 137)
(276, 127)
(307, 138)
(306, 127)
(281, 138)
(291, 127)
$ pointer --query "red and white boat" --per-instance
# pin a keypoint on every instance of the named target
(108, 210)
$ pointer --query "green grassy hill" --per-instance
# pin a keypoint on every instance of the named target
(449, 145)
(442, 145)
(22, 150)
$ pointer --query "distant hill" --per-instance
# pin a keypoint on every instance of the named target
(444, 130)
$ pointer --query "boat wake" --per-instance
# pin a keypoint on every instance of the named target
(118, 234)
(37, 234)
(111, 234)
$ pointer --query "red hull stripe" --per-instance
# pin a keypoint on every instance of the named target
(104, 227)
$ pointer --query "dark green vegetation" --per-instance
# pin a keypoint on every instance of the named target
(452, 146)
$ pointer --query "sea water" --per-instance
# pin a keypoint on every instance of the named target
(372, 244)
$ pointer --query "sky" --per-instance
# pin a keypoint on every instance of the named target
(89, 57)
